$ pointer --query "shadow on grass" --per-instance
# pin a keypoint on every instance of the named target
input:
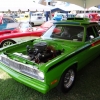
(87, 87)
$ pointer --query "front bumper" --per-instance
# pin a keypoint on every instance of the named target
(31, 82)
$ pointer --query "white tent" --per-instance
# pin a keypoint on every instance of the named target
(93, 8)
(73, 7)
(24, 5)
(84, 3)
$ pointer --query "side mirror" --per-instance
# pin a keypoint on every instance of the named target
(91, 37)
(99, 32)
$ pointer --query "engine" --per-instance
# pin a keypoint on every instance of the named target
(41, 52)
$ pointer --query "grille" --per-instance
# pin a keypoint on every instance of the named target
(19, 67)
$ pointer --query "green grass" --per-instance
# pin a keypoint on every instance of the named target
(87, 87)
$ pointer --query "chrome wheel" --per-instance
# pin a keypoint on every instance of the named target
(69, 78)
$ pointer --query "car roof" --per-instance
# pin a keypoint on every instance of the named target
(76, 21)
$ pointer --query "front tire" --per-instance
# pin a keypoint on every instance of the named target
(67, 80)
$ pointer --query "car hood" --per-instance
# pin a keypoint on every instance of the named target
(62, 48)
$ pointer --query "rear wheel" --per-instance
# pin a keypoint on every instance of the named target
(67, 80)
(7, 42)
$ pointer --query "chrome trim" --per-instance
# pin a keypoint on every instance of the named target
(25, 69)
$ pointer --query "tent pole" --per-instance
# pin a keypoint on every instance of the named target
(84, 7)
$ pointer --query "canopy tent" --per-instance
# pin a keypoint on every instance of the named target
(58, 9)
(70, 7)
(23, 5)
(84, 3)
(93, 8)
(47, 13)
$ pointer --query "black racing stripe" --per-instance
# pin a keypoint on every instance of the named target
(52, 67)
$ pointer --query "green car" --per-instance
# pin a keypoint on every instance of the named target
(54, 59)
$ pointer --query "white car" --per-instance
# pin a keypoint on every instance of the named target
(37, 18)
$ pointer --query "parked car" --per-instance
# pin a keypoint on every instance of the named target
(23, 32)
(37, 18)
(23, 17)
(92, 16)
(60, 16)
(54, 59)
(7, 23)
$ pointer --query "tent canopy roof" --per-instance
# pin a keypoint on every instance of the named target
(84, 3)
(24, 5)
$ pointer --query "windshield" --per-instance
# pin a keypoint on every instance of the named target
(24, 26)
(65, 32)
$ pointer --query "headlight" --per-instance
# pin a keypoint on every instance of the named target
(34, 72)
(41, 75)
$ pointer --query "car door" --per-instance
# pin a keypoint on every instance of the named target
(20, 36)
(91, 46)
(93, 39)
(25, 33)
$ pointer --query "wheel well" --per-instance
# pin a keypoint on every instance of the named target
(5, 41)
(73, 66)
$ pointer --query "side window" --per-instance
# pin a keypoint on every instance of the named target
(96, 30)
(7, 20)
(90, 33)
(4, 20)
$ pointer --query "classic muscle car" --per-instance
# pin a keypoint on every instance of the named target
(54, 59)
(23, 32)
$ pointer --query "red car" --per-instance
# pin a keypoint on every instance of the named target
(92, 16)
(23, 33)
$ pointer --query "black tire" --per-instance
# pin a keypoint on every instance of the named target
(67, 80)
(7, 42)
(32, 24)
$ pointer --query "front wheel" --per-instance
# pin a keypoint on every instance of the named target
(6, 43)
(67, 80)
